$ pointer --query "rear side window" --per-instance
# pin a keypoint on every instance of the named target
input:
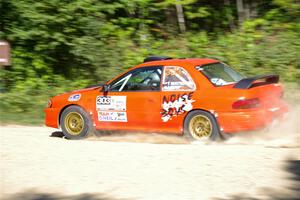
(177, 79)
(220, 74)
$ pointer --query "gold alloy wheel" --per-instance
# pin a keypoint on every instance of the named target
(74, 123)
(200, 126)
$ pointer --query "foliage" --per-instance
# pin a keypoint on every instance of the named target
(61, 45)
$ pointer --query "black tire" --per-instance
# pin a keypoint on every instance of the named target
(190, 133)
(85, 129)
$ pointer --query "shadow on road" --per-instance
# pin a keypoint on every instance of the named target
(57, 134)
(291, 192)
(33, 195)
(135, 137)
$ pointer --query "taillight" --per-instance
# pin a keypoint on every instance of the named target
(246, 103)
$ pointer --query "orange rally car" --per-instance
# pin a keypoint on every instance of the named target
(197, 98)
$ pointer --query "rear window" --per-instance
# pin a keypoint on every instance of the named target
(220, 74)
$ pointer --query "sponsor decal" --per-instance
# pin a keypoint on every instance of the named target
(112, 116)
(218, 81)
(74, 97)
(113, 103)
(111, 108)
(175, 105)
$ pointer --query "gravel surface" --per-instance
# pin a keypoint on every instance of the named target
(35, 165)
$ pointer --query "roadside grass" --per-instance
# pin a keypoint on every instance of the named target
(20, 109)
(9, 117)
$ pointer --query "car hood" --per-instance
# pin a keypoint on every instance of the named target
(80, 91)
(85, 89)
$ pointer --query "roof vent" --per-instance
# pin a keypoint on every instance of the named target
(156, 58)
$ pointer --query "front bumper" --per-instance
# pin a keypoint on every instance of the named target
(52, 117)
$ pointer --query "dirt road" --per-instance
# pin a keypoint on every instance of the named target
(37, 166)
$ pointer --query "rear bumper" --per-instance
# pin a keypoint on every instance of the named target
(231, 122)
(51, 117)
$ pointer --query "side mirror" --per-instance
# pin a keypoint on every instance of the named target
(105, 88)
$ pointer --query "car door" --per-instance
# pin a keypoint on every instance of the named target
(177, 99)
(132, 101)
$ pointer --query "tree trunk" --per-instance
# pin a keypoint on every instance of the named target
(180, 17)
(171, 26)
(253, 10)
(240, 11)
(231, 21)
(247, 10)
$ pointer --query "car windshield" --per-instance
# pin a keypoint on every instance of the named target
(220, 74)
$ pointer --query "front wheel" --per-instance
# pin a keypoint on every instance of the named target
(75, 123)
(199, 125)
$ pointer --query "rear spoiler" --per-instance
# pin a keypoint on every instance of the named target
(246, 83)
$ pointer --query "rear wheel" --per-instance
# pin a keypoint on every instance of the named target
(200, 125)
(75, 123)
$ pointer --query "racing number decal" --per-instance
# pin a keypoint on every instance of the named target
(103, 100)
(111, 108)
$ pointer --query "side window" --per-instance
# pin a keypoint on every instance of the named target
(142, 79)
(177, 79)
(119, 84)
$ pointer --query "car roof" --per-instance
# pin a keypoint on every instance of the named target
(183, 62)
(180, 61)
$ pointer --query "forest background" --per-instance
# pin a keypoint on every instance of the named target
(61, 45)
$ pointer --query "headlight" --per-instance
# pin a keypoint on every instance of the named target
(49, 103)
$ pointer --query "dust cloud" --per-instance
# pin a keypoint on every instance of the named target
(282, 134)
(138, 137)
